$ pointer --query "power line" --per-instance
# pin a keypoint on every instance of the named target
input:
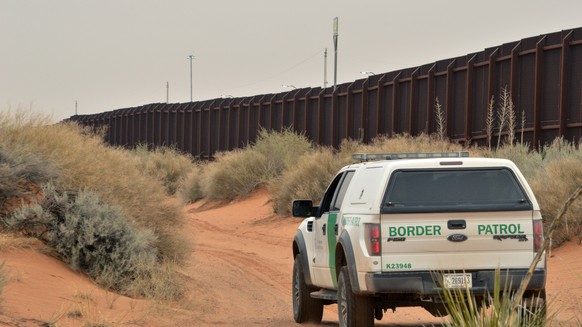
(283, 71)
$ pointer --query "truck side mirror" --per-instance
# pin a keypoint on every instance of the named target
(303, 208)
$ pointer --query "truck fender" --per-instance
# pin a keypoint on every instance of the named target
(300, 247)
(345, 256)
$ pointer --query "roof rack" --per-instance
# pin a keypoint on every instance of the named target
(361, 157)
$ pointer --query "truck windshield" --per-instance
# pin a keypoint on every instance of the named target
(458, 190)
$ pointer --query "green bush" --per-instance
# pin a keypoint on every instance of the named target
(168, 165)
(91, 236)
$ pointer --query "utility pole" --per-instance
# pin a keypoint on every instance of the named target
(76, 107)
(191, 57)
(325, 68)
(168, 93)
(335, 35)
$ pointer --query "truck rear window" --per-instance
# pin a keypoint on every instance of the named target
(458, 190)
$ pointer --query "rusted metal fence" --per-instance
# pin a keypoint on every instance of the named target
(542, 73)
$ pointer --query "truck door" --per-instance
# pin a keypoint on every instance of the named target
(326, 231)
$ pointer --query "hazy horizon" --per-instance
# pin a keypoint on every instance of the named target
(108, 55)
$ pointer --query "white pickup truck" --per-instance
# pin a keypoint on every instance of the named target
(394, 229)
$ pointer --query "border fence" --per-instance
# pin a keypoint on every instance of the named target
(543, 75)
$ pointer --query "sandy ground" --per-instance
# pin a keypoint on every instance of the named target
(239, 275)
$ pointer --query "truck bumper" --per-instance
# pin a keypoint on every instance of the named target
(426, 283)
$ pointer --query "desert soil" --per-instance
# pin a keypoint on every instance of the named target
(239, 275)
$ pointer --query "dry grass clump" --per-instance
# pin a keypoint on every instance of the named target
(308, 179)
(405, 143)
(554, 183)
(19, 171)
(281, 150)
(553, 173)
(239, 172)
(233, 174)
(561, 149)
(190, 190)
(529, 162)
(168, 165)
(84, 162)
(3, 278)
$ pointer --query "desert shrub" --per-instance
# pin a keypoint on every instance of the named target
(552, 186)
(529, 162)
(239, 172)
(308, 179)
(82, 161)
(233, 174)
(405, 143)
(560, 148)
(190, 190)
(19, 165)
(281, 150)
(168, 165)
(89, 235)
(160, 282)
(553, 172)
(85, 162)
(3, 278)
(18, 170)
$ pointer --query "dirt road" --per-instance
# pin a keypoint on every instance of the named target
(239, 275)
(243, 261)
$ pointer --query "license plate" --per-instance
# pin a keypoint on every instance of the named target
(457, 280)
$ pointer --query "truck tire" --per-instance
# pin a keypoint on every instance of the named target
(353, 310)
(305, 308)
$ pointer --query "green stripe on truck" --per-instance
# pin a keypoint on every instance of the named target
(331, 244)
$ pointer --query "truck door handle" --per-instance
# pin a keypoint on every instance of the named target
(456, 224)
(324, 228)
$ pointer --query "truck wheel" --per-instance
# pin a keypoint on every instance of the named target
(305, 308)
(353, 310)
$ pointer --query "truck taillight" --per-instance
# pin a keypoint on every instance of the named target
(538, 228)
(374, 239)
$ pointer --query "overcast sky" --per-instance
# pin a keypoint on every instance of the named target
(112, 54)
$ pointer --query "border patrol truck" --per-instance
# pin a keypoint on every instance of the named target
(393, 230)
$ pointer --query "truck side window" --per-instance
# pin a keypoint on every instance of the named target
(329, 193)
(341, 191)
